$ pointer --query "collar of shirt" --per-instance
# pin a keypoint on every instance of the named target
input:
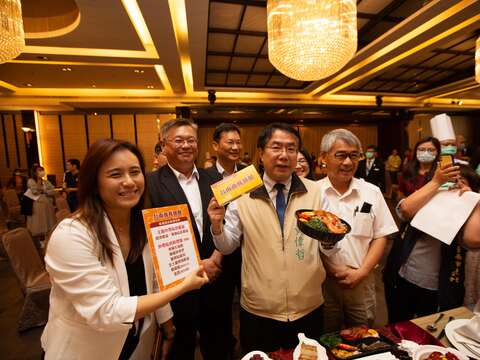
(327, 185)
(222, 171)
(269, 185)
(180, 176)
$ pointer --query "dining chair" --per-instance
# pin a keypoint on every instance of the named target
(31, 275)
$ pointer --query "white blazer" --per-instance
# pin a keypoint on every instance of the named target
(91, 310)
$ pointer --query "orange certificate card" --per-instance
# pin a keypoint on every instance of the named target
(236, 185)
(172, 243)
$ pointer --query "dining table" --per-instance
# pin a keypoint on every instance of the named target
(457, 313)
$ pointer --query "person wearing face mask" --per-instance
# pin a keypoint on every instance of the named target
(442, 129)
(43, 212)
(422, 275)
(372, 168)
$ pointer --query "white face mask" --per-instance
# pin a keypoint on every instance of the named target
(425, 157)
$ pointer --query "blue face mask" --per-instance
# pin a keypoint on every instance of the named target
(477, 170)
(449, 150)
(425, 157)
(369, 154)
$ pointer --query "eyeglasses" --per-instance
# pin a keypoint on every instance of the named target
(302, 161)
(277, 149)
(342, 155)
(177, 142)
(430, 150)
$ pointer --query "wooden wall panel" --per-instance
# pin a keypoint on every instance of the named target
(49, 138)
(10, 129)
(74, 137)
(5, 170)
(123, 128)
(147, 132)
(21, 142)
(98, 127)
(16, 159)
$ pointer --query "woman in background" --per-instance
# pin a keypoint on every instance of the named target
(103, 301)
(43, 213)
(305, 167)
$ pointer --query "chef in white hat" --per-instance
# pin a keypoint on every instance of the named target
(442, 129)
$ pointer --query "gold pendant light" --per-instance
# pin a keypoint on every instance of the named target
(311, 39)
(12, 39)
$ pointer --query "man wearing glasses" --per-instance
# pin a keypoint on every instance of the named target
(204, 310)
(282, 271)
(349, 289)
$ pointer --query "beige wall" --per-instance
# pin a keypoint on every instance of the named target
(74, 131)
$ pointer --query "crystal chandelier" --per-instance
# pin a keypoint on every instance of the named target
(12, 39)
(311, 39)
(477, 60)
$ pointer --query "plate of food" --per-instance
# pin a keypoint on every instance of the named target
(355, 342)
(322, 225)
(433, 352)
(309, 349)
(256, 355)
(463, 344)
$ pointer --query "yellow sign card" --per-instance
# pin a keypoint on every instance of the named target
(172, 243)
(236, 185)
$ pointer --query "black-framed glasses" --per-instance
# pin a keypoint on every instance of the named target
(278, 149)
(177, 142)
(342, 155)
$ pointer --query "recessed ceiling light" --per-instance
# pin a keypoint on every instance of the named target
(150, 86)
(460, 102)
(66, 69)
(93, 85)
(95, 113)
(138, 71)
(29, 85)
(42, 58)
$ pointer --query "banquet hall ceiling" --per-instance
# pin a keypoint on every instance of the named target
(166, 53)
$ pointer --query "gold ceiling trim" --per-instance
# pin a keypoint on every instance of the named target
(407, 53)
(8, 86)
(394, 45)
(456, 91)
(78, 63)
(53, 33)
(178, 13)
(73, 92)
(136, 17)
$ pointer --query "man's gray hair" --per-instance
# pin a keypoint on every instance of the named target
(174, 123)
(339, 134)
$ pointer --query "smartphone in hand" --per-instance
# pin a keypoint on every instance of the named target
(446, 160)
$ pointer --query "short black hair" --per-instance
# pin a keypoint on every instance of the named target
(266, 133)
(223, 128)
(371, 147)
(75, 162)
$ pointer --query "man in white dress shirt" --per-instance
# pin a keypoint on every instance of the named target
(282, 271)
(349, 289)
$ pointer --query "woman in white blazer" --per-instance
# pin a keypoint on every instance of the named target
(103, 301)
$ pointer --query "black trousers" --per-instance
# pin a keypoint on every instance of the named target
(406, 300)
(204, 311)
(260, 333)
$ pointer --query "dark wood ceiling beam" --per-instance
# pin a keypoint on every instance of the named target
(237, 32)
(241, 72)
(454, 52)
(237, 54)
(239, 26)
(427, 68)
(396, 80)
(360, 15)
(381, 16)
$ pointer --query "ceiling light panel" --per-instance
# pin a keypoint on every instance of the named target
(254, 19)
(220, 42)
(224, 16)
